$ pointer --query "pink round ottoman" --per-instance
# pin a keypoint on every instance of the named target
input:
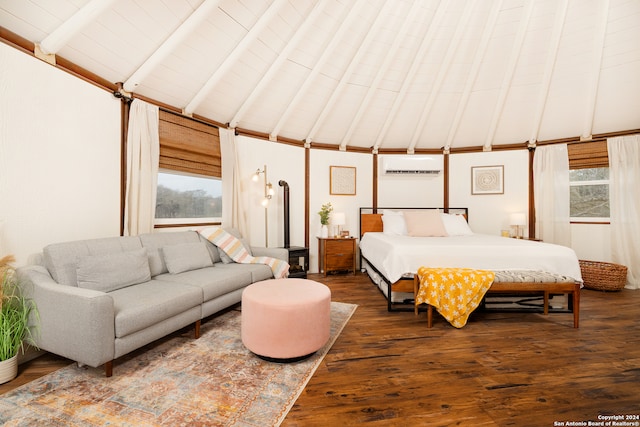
(285, 319)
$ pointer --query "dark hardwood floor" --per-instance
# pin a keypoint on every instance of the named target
(501, 369)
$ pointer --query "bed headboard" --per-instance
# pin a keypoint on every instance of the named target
(371, 220)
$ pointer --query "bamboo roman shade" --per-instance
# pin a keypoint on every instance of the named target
(187, 145)
(588, 155)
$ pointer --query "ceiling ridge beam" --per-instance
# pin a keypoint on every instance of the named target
(596, 69)
(508, 77)
(442, 73)
(554, 47)
(69, 28)
(277, 64)
(422, 49)
(170, 43)
(326, 54)
(473, 74)
(235, 54)
(382, 70)
(355, 61)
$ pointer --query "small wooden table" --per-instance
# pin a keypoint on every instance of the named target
(336, 254)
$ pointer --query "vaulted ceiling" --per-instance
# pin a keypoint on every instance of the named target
(403, 75)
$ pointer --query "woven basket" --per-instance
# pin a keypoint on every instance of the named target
(603, 276)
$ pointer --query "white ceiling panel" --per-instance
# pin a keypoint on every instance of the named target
(396, 74)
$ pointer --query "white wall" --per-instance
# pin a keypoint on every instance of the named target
(489, 213)
(59, 157)
(409, 191)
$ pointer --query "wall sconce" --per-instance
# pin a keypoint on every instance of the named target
(338, 219)
(518, 220)
(268, 194)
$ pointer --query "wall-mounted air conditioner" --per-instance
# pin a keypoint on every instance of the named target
(412, 165)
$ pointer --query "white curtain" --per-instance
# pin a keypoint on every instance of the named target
(143, 154)
(551, 192)
(234, 213)
(624, 197)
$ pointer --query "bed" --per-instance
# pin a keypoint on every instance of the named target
(391, 257)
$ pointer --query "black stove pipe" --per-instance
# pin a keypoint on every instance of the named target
(286, 212)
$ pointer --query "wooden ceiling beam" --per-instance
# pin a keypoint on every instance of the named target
(554, 47)
(351, 68)
(508, 77)
(473, 74)
(444, 69)
(164, 50)
(276, 65)
(235, 55)
(596, 68)
(427, 41)
(400, 36)
(327, 53)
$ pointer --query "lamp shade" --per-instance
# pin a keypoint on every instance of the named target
(338, 218)
(518, 219)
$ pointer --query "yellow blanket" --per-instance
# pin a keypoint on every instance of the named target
(454, 292)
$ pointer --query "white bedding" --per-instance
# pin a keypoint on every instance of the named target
(394, 256)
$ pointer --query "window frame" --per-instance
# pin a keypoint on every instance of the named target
(588, 155)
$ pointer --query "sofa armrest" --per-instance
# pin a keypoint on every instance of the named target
(279, 253)
(73, 322)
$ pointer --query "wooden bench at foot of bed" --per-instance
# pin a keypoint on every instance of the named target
(524, 281)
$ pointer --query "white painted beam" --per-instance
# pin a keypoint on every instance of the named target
(552, 56)
(473, 74)
(233, 57)
(355, 62)
(415, 64)
(83, 17)
(382, 70)
(173, 41)
(326, 54)
(442, 73)
(596, 68)
(508, 77)
(276, 65)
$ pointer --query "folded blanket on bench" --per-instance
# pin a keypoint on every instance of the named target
(233, 247)
(454, 292)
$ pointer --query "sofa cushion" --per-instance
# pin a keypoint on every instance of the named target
(154, 242)
(113, 271)
(214, 281)
(186, 256)
(143, 305)
(61, 259)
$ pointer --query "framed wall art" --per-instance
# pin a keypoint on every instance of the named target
(342, 180)
(487, 180)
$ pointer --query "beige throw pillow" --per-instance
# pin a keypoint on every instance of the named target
(424, 224)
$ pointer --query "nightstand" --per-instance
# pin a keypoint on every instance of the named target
(336, 254)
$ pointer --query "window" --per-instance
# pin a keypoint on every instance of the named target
(188, 199)
(589, 194)
(589, 182)
(189, 182)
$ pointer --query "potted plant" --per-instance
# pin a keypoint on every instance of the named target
(324, 213)
(15, 313)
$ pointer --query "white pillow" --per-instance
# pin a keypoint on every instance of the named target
(456, 225)
(393, 223)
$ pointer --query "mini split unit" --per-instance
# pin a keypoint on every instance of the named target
(412, 165)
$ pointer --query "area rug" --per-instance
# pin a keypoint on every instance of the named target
(179, 381)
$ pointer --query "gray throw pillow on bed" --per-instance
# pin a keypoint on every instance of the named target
(113, 271)
(186, 256)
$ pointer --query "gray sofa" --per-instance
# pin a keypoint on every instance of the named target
(100, 299)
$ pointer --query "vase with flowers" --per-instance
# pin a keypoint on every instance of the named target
(325, 212)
